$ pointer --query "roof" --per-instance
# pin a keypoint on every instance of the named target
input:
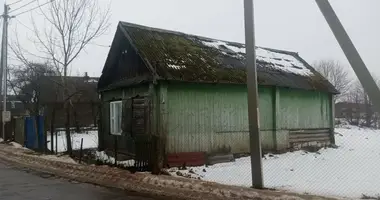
(81, 89)
(341, 106)
(184, 57)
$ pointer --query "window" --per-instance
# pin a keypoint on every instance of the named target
(115, 117)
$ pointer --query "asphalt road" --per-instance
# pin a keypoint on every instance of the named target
(24, 184)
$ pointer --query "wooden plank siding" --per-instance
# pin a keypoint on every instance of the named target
(191, 117)
(108, 140)
(209, 117)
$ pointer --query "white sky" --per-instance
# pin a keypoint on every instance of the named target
(294, 25)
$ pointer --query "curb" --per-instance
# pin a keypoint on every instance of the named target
(142, 183)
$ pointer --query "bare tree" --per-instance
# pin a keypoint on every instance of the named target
(25, 83)
(70, 27)
(361, 109)
(338, 76)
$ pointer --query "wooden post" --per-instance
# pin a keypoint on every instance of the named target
(81, 150)
(276, 113)
(115, 150)
(45, 140)
(56, 142)
(52, 119)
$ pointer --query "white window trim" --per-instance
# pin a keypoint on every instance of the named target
(113, 105)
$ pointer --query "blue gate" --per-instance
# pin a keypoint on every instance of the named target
(34, 132)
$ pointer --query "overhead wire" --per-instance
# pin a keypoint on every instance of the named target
(23, 6)
(100, 45)
(33, 8)
(23, 24)
(15, 2)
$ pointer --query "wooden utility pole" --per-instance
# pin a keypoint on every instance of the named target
(4, 62)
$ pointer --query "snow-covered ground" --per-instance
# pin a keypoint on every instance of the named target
(90, 140)
(103, 157)
(59, 158)
(350, 171)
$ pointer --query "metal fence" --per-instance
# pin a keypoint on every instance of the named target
(348, 169)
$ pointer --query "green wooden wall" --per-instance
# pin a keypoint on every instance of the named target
(304, 109)
(205, 117)
(209, 117)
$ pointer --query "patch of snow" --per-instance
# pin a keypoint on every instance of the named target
(92, 81)
(64, 158)
(103, 157)
(33, 96)
(16, 145)
(349, 171)
(177, 66)
(90, 140)
(1, 140)
(279, 61)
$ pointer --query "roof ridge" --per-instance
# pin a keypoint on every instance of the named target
(200, 37)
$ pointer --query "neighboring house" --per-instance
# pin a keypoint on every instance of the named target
(350, 110)
(356, 113)
(191, 92)
(14, 105)
(84, 102)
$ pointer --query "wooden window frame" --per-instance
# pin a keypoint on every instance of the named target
(113, 116)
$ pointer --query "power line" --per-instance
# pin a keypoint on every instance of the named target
(15, 2)
(23, 6)
(51, 1)
(101, 45)
(23, 24)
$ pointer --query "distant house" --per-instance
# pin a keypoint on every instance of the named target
(14, 105)
(191, 92)
(351, 110)
(83, 94)
(357, 113)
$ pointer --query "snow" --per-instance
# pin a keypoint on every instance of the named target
(92, 81)
(59, 158)
(90, 140)
(16, 145)
(176, 66)
(279, 61)
(349, 171)
(103, 157)
(63, 158)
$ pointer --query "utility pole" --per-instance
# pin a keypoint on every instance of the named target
(4, 63)
(253, 107)
(351, 53)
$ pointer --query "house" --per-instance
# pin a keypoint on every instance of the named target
(14, 105)
(350, 110)
(191, 92)
(357, 113)
(47, 95)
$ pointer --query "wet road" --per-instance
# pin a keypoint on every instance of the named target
(23, 184)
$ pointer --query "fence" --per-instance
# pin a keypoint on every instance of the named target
(28, 131)
(146, 153)
(141, 149)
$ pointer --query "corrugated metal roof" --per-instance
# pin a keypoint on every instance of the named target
(184, 57)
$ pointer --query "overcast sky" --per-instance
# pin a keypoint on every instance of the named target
(294, 25)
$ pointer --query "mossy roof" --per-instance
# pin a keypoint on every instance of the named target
(184, 57)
